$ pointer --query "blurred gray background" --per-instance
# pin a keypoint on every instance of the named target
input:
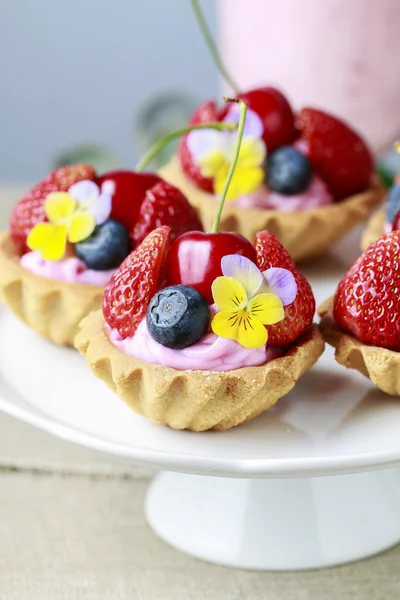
(80, 72)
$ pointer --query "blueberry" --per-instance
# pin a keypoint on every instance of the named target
(178, 316)
(106, 248)
(289, 172)
(393, 203)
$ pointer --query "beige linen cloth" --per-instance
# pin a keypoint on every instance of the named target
(72, 528)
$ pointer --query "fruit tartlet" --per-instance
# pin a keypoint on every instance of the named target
(385, 219)
(204, 333)
(69, 234)
(307, 178)
(362, 320)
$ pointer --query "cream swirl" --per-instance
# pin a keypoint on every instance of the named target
(71, 270)
(211, 353)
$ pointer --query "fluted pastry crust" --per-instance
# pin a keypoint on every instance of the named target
(380, 365)
(52, 308)
(305, 234)
(195, 400)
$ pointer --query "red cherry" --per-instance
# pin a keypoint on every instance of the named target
(396, 222)
(128, 189)
(195, 257)
(276, 114)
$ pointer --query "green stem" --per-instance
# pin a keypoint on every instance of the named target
(212, 46)
(242, 120)
(159, 145)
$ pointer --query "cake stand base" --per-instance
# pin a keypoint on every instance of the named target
(277, 524)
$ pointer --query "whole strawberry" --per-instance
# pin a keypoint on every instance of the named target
(30, 209)
(298, 315)
(164, 204)
(129, 291)
(337, 153)
(367, 299)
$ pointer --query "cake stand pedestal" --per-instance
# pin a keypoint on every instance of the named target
(277, 524)
(312, 483)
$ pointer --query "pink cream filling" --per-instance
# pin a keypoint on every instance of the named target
(317, 194)
(211, 353)
(69, 269)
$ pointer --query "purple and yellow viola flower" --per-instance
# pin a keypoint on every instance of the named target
(213, 151)
(72, 217)
(248, 300)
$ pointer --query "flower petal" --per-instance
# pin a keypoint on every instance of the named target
(226, 324)
(267, 308)
(212, 162)
(235, 189)
(39, 235)
(49, 240)
(228, 294)
(80, 227)
(59, 206)
(101, 208)
(84, 190)
(240, 326)
(251, 332)
(252, 153)
(253, 126)
(244, 181)
(251, 179)
(202, 141)
(244, 270)
(282, 283)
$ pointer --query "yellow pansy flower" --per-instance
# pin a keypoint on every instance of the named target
(213, 153)
(72, 217)
(245, 305)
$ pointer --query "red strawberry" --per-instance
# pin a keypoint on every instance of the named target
(164, 204)
(367, 298)
(30, 209)
(139, 277)
(298, 315)
(336, 152)
(207, 112)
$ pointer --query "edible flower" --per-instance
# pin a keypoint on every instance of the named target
(72, 217)
(249, 299)
(213, 153)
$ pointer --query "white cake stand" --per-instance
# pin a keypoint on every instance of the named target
(307, 485)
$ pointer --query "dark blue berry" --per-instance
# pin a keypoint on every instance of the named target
(393, 203)
(178, 316)
(289, 172)
(106, 248)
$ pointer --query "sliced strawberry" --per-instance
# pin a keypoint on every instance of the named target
(164, 204)
(367, 298)
(128, 190)
(337, 153)
(298, 315)
(30, 209)
(129, 291)
(207, 112)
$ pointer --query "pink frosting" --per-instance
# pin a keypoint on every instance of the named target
(211, 353)
(317, 194)
(69, 269)
(387, 227)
